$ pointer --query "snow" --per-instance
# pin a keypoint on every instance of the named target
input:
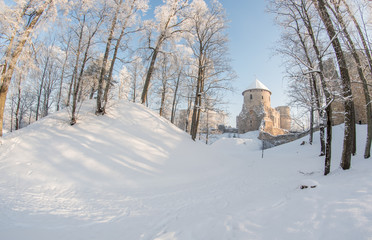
(132, 175)
(258, 85)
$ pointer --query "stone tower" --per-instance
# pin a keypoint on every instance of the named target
(257, 113)
(285, 117)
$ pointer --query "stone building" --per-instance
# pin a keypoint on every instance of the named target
(334, 83)
(257, 113)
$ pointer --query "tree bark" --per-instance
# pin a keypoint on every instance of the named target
(111, 70)
(100, 109)
(74, 74)
(175, 98)
(198, 98)
(311, 135)
(41, 87)
(367, 151)
(17, 123)
(77, 83)
(150, 72)
(328, 109)
(346, 89)
(303, 12)
(62, 75)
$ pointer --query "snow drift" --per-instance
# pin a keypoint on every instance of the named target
(132, 175)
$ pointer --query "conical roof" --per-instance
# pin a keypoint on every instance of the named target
(258, 85)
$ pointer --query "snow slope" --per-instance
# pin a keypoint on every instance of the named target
(132, 175)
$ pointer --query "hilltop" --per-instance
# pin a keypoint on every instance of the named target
(133, 175)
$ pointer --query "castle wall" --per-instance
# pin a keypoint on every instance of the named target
(249, 119)
(338, 112)
(272, 122)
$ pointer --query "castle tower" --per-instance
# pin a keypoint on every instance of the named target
(257, 94)
(285, 117)
(257, 113)
(256, 102)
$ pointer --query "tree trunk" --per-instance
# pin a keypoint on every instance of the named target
(312, 81)
(162, 100)
(92, 90)
(62, 75)
(328, 109)
(359, 68)
(198, 100)
(41, 88)
(8, 70)
(12, 114)
(188, 111)
(348, 98)
(321, 114)
(134, 87)
(207, 135)
(164, 85)
(149, 73)
(328, 157)
(311, 135)
(17, 123)
(367, 151)
(111, 70)
(79, 80)
(100, 109)
(354, 147)
(175, 97)
(74, 74)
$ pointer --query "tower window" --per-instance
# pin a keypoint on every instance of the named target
(251, 96)
(262, 97)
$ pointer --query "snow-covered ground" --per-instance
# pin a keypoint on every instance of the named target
(132, 175)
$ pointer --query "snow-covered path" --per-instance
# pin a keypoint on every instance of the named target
(132, 175)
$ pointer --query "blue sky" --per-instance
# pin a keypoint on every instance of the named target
(253, 35)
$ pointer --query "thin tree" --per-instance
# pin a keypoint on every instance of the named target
(100, 109)
(28, 17)
(128, 18)
(63, 72)
(100, 15)
(169, 25)
(329, 98)
(209, 49)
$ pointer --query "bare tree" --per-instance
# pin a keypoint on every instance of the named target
(66, 52)
(27, 18)
(96, 17)
(367, 151)
(209, 45)
(346, 88)
(298, 15)
(169, 25)
(128, 18)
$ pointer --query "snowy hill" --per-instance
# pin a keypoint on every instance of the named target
(132, 175)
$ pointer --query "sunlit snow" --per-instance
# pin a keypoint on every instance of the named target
(133, 175)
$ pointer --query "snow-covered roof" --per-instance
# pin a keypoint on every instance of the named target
(258, 85)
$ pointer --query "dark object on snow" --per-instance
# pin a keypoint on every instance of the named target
(304, 186)
(303, 143)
